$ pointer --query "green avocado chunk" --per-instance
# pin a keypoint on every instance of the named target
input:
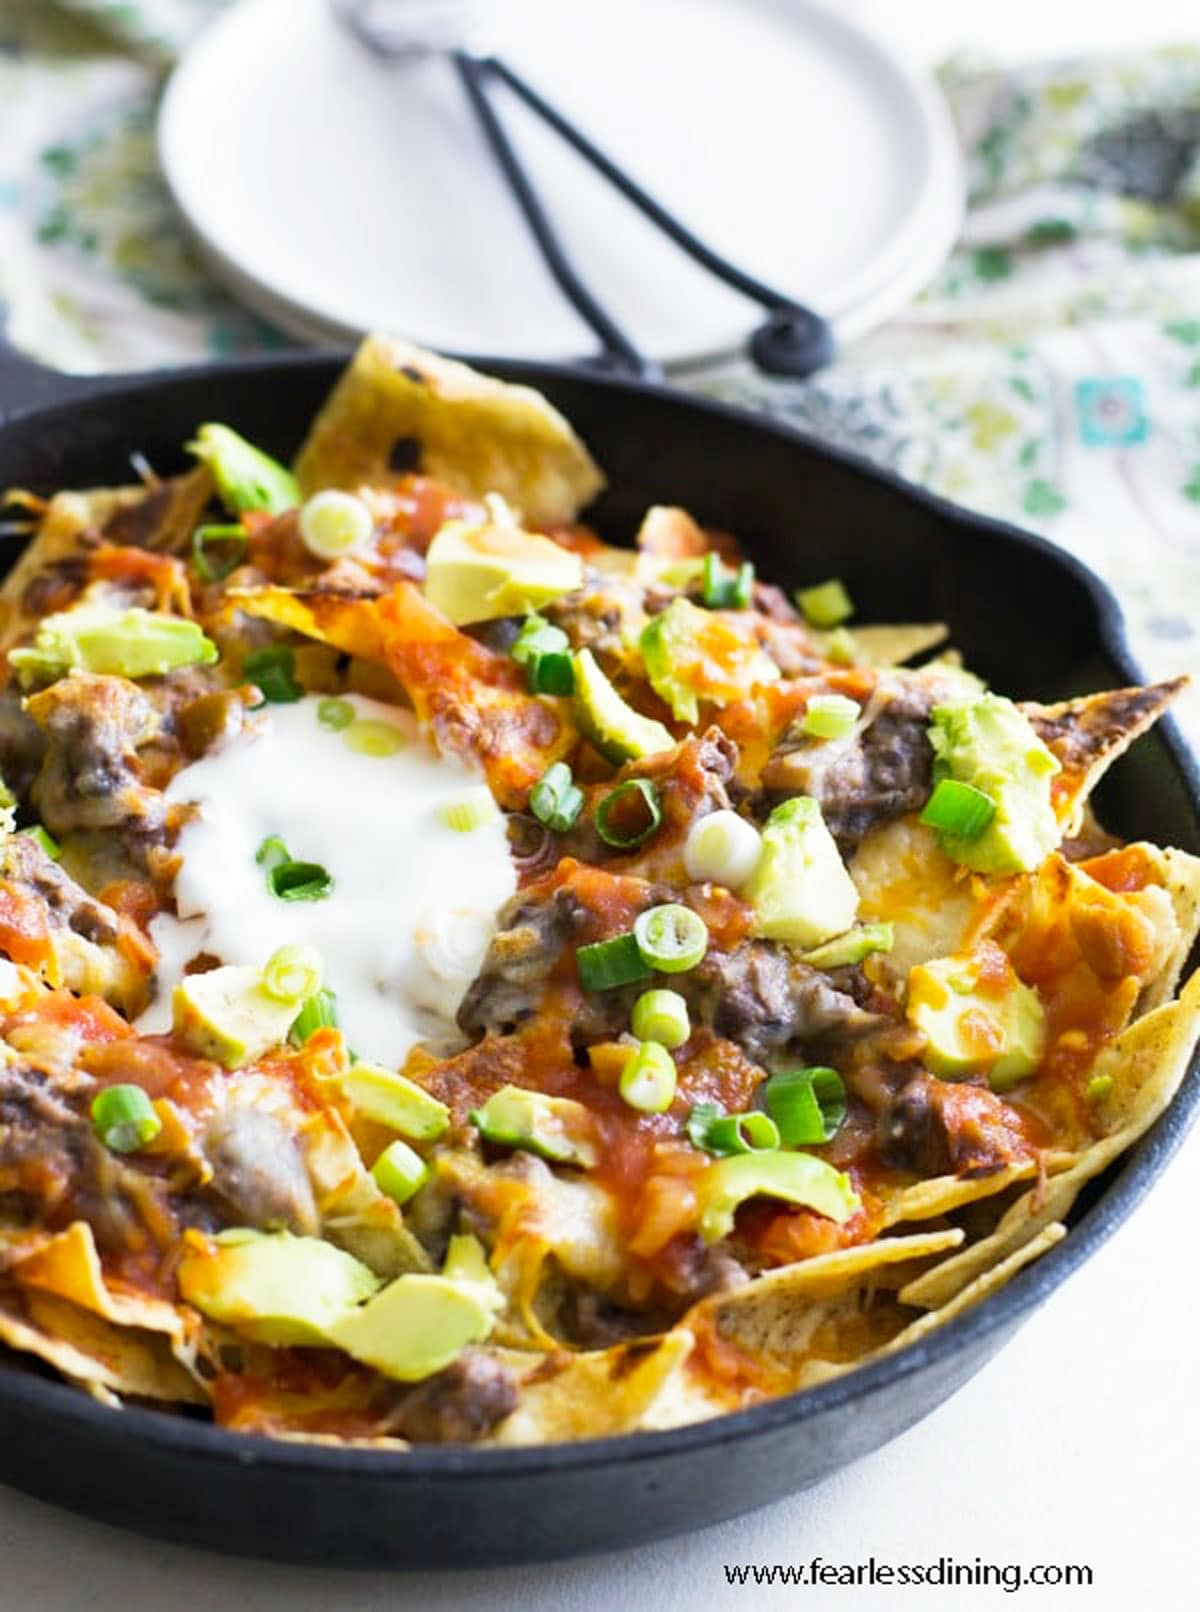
(246, 477)
(478, 573)
(416, 1326)
(274, 1287)
(845, 950)
(795, 1177)
(393, 1100)
(800, 889)
(226, 1015)
(555, 1128)
(990, 744)
(689, 655)
(977, 1018)
(618, 731)
(122, 643)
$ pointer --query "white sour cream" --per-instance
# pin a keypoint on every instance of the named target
(413, 903)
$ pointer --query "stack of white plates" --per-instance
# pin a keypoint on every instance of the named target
(335, 192)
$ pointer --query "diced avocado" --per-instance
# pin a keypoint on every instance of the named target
(393, 1100)
(466, 1263)
(845, 950)
(800, 889)
(416, 1326)
(122, 643)
(476, 573)
(246, 477)
(554, 1128)
(977, 1017)
(226, 1015)
(795, 1177)
(691, 655)
(618, 731)
(990, 744)
(274, 1287)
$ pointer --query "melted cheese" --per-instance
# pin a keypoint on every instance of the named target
(413, 902)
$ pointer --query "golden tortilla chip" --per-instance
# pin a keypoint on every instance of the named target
(399, 408)
(1087, 735)
(891, 644)
(355, 1213)
(473, 701)
(990, 1281)
(92, 1351)
(593, 1395)
(68, 1265)
(1146, 1064)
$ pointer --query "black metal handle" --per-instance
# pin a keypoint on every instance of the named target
(792, 341)
(26, 384)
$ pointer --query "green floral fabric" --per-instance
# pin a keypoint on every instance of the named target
(1050, 374)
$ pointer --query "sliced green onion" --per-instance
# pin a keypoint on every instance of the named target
(551, 674)
(721, 591)
(218, 550)
(400, 1171)
(647, 1081)
(554, 800)
(335, 714)
(826, 605)
(610, 963)
(808, 1105)
(1098, 1088)
(288, 879)
(293, 973)
(473, 809)
(538, 637)
(699, 1122)
(368, 738)
(741, 1133)
(637, 797)
(333, 523)
(246, 477)
(272, 669)
(840, 647)
(671, 938)
(39, 836)
(959, 809)
(318, 1013)
(830, 716)
(722, 848)
(661, 1016)
(124, 1118)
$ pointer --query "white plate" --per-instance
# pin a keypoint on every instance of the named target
(337, 192)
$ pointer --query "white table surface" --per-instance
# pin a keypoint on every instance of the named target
(1080, 1444)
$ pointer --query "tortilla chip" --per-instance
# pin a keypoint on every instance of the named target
(399, 408)
(355, 1213)
(1146, 1062)
(1087, 735)
(989, 1282)
(891, 644)
(593, 1395)
(94, 1352)
(55, 566)
(1181, 879)
(473, 700)
(927, 1200)
(68, 1265)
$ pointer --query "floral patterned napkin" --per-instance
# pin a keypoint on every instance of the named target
(1050, 375)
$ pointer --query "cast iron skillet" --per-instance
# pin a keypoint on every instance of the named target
(1025, 616)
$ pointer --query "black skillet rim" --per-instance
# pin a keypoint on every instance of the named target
(1145, 1163)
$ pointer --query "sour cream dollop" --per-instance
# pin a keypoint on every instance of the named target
(413, 902)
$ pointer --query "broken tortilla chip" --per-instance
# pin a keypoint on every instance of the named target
(90, 1350)
(398, 408)
(595, 1394)
(1146, 1064)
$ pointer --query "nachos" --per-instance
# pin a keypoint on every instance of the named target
(465, 981)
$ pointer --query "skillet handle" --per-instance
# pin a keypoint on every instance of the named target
(26, 384)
